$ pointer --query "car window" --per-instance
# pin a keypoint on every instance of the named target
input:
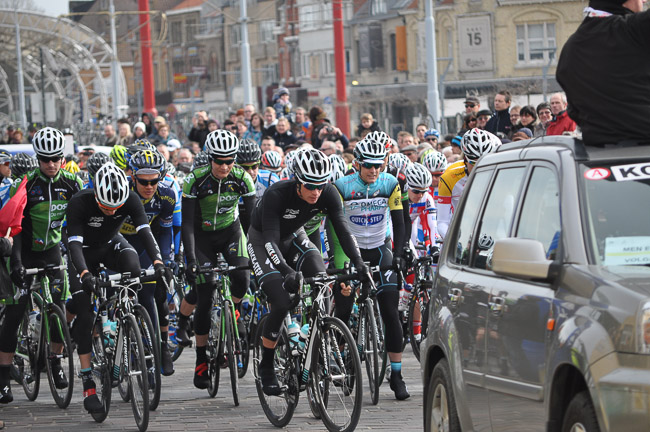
(497, 217)
(463, 238)
(540, 214)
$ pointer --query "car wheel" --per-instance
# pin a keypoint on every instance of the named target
(440, 407)
(580, 415)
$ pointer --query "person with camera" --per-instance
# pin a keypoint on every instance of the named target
(199, 130)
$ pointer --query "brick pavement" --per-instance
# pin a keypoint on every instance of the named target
(184, 407)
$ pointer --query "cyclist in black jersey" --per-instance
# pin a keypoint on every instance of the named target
(212, 225)
(280, 250)
(94, 217)
(49, 189)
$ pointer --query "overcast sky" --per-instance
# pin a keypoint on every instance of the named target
(53, 7)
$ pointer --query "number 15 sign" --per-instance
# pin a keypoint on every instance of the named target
(475, 37)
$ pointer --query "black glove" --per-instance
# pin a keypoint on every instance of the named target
(88, 283)
(173, 266)
(18, 276)
(192, 271)
(398, 263)
(409, 257)
(364, 273)
(293, 282)
(162, 273)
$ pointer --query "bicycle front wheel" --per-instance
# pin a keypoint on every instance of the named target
(338, 379)
(136, 372)
(232, 356)
(58, 349)
(417, 307)
(174, 314)
(28, 356)
(371, 350)
(102, 352)
(152, 354)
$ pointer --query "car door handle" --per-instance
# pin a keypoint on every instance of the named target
(455, 297)
(496, 305)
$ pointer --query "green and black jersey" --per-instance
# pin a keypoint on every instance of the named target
(47, 200)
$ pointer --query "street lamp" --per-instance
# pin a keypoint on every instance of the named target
(547, 66)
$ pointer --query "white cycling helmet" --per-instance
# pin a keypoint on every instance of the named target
(271, 160)
(48, 142)
(485, 242)
(221, 143)
(311, 166)
(399, 161)
(381, 137)
(338, 167)
(477, 142)
(111, 186)
(288, 160)
(435, 161)
(418, 176)
(370, 150)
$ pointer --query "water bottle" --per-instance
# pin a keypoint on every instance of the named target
(293, 330)
(35, 324)
(304, 336)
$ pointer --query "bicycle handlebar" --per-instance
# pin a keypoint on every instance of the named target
(106, 280)
(47, 268)
(222, 269)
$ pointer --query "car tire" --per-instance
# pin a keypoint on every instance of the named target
(440, 406)
(580, 415)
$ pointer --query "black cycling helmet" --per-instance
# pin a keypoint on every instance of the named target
(72, 158)
(21, 164)
(95, 162)
(5, 156)
(249, 152)
(148, 162)
(200, 160)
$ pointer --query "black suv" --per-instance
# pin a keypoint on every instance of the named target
(540, 317)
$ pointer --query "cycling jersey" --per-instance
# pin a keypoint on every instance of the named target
(264, 180)
(159, 208)
(47, 200)
(450, 190)
(367, 206)
(423, 220)
(5, 187)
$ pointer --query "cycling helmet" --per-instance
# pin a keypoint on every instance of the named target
(285, 174)
(72, 158)
(338, 167)
(21, 164)
(200, 160)
(485, 242)
(144, 144)
(249, 152)
(48, 142)
(288, 160)
(148, 162)
(84, 176)
(5, 156)
(380, 137)
(399, 161)
(221, 143)
(72, 167)
(418, 176)
(171, 169)
(477, 142)
(435, 161)
(311, 166)
(118, 155)
(271, 160)
(432, 133)
(370, 150)
(111, 186)
(95, 162)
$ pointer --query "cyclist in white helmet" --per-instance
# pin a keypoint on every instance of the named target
(436, 163)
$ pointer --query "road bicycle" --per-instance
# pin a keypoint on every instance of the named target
(424, 270)
(44, 339)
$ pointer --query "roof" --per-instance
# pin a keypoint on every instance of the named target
(188, 4)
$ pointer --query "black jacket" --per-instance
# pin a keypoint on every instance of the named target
(6, 288)
(604, 68)
(499, 122)
(198, 135)
(374, 127)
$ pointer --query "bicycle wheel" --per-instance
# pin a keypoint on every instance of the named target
(278, 409)
(59, 334)
(152, 354)
(136, 372)
(101, 363)
(213, 351)
(174, 301)
(371, 350)
(338, 376)
(244, 350)
(381, 346)
(419, 300)
(28, 356)
(232, 356)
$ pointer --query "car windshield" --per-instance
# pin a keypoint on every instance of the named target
(617, 198)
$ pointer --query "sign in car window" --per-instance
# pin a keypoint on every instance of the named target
(627, 251)
(639, 171)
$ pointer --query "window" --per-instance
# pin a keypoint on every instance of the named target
(393, 52)
(305, 65)
(266, 31)
(309, 16)
(378, 7)
(497, 217)
(330, 65)
(540, 214)
(235, 34)
(190, 29)
(535, 43)
(177, 32)
(468, 216)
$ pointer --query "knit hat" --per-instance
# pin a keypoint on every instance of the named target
(140, 125)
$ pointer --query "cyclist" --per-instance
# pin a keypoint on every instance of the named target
(431, 136)
(159, 201)
(370, 196)
(249, 158)
(118, 156)
(49, 190)
(436, 163)
(398, 162)
(21, 164)
(277, 239)
(212, 225)
(272, 161)
(94, 217)
(5, 176)
(475, 143)
(94, 163)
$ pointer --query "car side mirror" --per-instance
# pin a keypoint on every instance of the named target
(523, 258)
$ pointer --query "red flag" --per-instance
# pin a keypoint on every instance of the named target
(11, 215)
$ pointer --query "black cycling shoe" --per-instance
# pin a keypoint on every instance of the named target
(92, 404)
(166, 362)
(398, 385)
(270, 385)
(201, 377)
(60, 380)
(15, 375)
(182, 335)
(5, 394)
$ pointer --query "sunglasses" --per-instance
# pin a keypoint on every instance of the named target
(144, 182)
(418, 191)
(106, 207)
(470, 105)
(368, 165)
(432, 139)
(223, 161)
(46, 159)
(313, 187)
(251, 167)
(437, 175)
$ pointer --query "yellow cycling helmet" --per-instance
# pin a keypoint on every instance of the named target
(72, 167)
(118, 155)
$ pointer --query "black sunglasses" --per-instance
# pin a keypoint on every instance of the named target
(144, 182)
(313, 187)
(368, 165)
(250, 167)
(469, 105)
(46, 159)
(223, 161)
(418, 191)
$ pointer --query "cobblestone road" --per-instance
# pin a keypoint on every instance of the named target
(184, 407)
